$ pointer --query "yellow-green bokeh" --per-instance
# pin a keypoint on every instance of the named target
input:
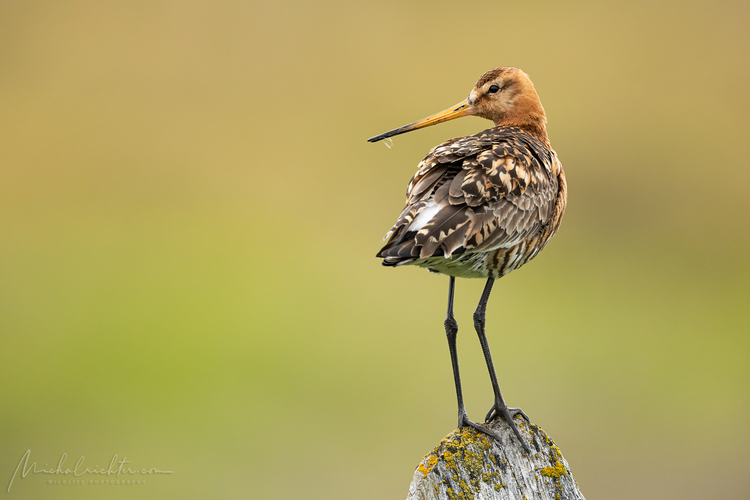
(189, 214)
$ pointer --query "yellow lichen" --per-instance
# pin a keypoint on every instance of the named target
(466, 491)
(556, 470)
(465, 452)
(431, 461)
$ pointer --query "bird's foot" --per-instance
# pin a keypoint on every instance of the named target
(501, 409)
(508, 413)
(463, 420)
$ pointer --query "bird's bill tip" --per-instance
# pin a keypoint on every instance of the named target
(463, 108)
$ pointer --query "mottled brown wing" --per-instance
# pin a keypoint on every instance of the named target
(475, 194)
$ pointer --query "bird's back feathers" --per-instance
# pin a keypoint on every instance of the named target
(476, 197)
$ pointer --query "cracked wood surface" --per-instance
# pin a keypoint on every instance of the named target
(469, 465)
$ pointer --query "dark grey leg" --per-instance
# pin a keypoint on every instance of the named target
(451, 331)
(499, 408)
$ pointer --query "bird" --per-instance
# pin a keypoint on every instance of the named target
(482, 206)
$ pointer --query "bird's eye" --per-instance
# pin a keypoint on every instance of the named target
(493, 89)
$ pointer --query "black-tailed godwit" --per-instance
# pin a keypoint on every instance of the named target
(483, 205)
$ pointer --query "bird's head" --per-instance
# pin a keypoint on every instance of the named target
(504, 95)
(507, 97)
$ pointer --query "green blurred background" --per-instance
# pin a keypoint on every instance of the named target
(189, 215)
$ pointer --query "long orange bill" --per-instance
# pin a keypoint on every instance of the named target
(463, 108)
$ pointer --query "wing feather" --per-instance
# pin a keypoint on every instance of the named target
(477, 193)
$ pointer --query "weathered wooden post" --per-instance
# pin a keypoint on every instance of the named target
(469, 465)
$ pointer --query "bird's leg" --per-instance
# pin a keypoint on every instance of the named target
(451, 331)
(499, 408)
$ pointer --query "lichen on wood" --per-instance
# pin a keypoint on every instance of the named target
(469, 465)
